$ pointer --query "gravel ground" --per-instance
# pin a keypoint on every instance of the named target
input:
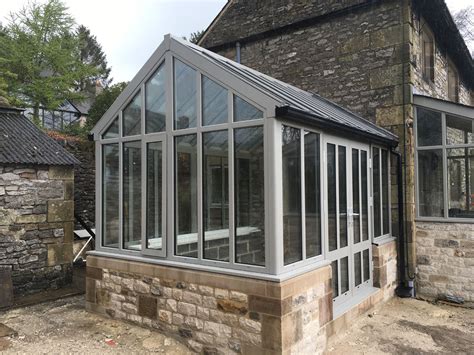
(401, 326)
(409, 326)
(64, 327)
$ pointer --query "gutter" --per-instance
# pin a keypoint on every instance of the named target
(322, 122)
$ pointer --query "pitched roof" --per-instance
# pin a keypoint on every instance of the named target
(285, 100)
(21, 142)
(297, 101)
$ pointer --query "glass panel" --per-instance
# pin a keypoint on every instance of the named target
(342, 197)
(186, 196)
(365, 261)
(357, 269)
(243, 111)
(110, 195)
(430, 183)
(291, 156)
(344, 275)
(312, 194)
(334, 280)
(385, 192)
(214, 103)
(215, 179)
(460, 182)
(112, 131)
(332, 220)
(132, 117)
(155, 102)
(132, 191)
(249, 196)
(154, 195)
(428, 127)
(355, 195)
(459, 130)
(364, 189)
(184, 96)
(376, 189)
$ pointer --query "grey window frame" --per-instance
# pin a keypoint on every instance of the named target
(443, 147)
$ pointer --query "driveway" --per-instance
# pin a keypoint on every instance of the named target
(409, 326)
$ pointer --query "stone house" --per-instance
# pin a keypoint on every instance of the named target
(36, 209)
(404, 65)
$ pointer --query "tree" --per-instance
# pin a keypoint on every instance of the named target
(102, 103)
(91, 54)
(194, 37)
(40, 55)
(464, 20)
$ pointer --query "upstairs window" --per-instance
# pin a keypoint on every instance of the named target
(453, 83)
(428, 56)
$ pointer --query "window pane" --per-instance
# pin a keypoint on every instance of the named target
(430, 183)
(376, 189)
(249, 196)
(332, 223)
(366, 261)
(312, 194)
(132, 187)
(184, 96)
(132, 117)
(214, 102)
(110, 195)
(154, 193)
(291, 156)
(364, 197)
(355, 194)
(344, 275)
(155, 102)
(112, 131)
(186, 196)
(215, 179)
(428, 127)
(342, 197)
(334, 279)
(385, 192)
(460, 182)
(357, 269)
(459, 130)
(244, 111)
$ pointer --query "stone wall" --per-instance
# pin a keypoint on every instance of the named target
(215, 313)
(384, 257)
(445, 259)
(36, 226)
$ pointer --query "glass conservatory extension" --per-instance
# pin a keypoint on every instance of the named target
(203, 163)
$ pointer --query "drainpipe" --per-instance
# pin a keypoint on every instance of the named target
(237, 52)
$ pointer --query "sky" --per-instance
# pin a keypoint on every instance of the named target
(130, 30)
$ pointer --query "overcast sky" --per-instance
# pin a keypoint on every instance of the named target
(130, 30)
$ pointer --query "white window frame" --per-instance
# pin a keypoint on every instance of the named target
(382, 237)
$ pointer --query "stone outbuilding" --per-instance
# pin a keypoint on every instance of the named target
(36, 208)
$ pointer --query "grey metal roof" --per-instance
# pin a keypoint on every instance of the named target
(296, 99)
(21, 142)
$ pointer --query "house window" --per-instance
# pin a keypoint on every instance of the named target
(381, 191)
(445, 165)
(453, 83)
(428, 56)
(300, 147)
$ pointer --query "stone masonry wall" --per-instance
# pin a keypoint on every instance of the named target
(36, 226)
(445, 259)
(385, 267)
(214, 313)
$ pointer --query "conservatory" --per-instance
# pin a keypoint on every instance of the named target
(230, 203)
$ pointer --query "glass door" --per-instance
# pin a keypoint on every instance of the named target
(347, 221)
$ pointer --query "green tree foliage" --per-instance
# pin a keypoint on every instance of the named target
(91, 54)
(194, 37)
(102, 103)
(40, 56)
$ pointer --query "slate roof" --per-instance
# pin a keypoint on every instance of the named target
(294, 100)
(21, 142)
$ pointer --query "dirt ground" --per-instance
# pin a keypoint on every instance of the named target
(401, 326)
(409, 326)
(64, 327)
